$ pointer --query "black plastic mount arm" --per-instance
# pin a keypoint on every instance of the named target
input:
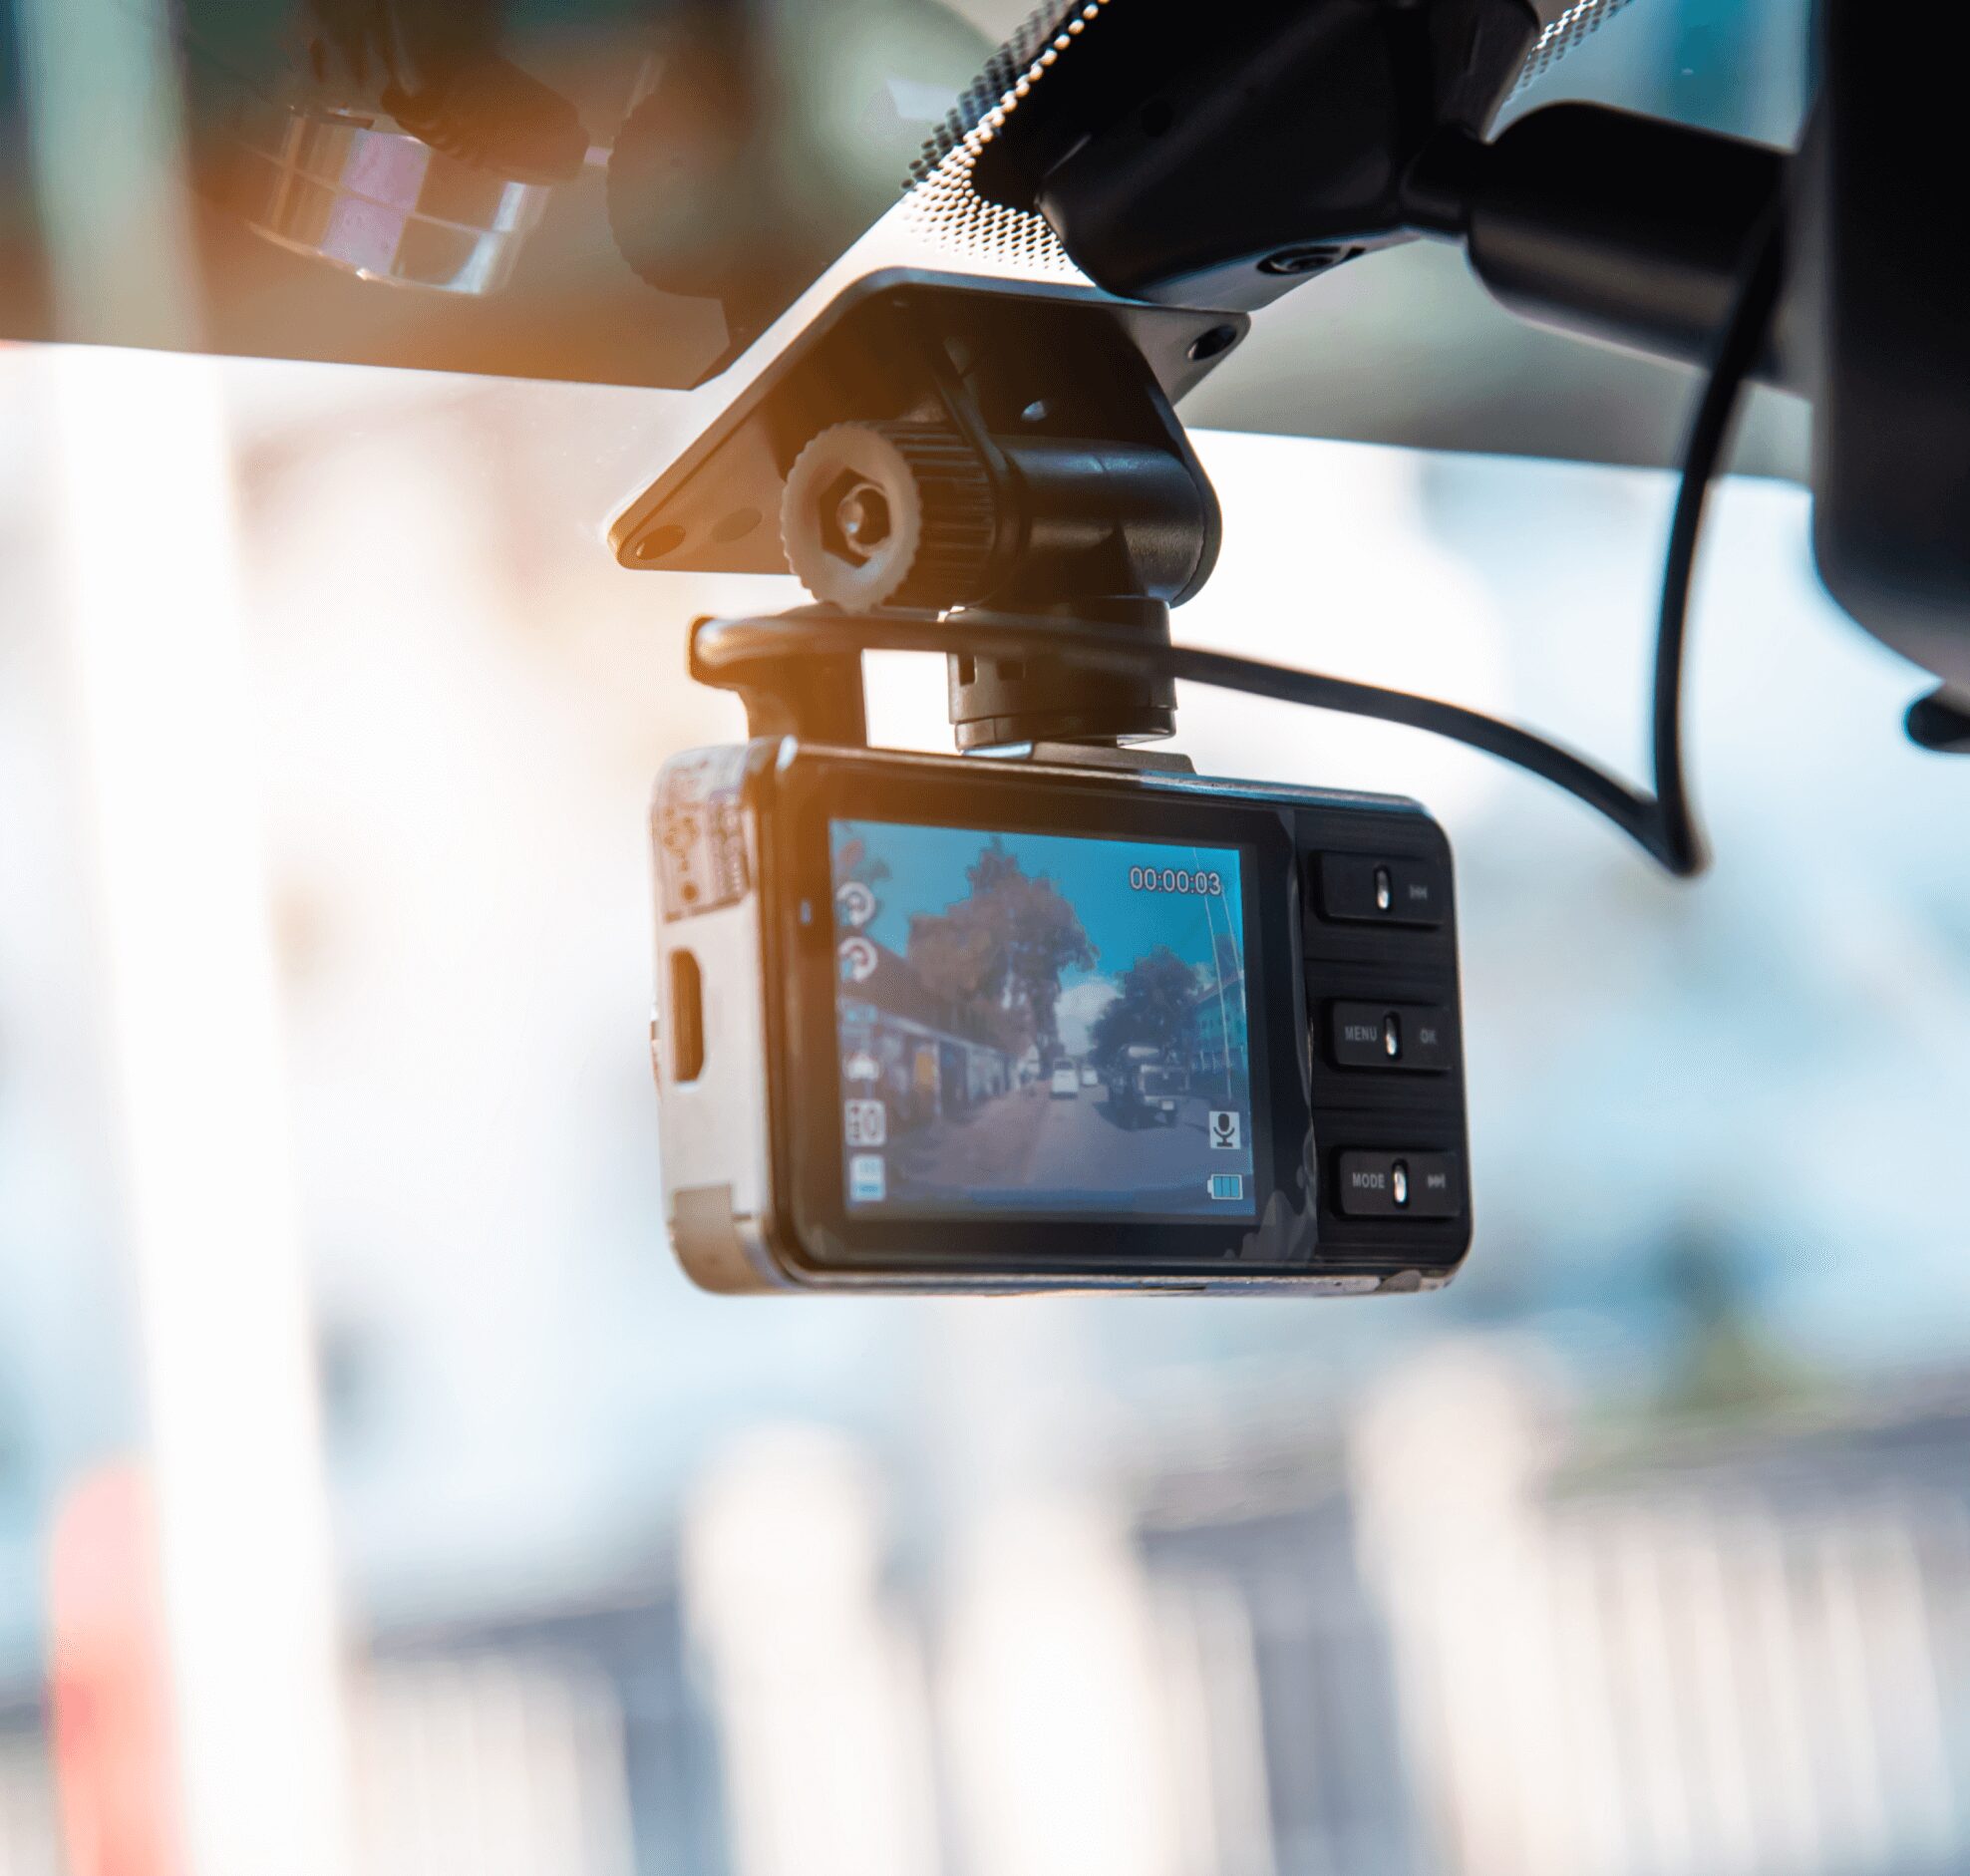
(1222, 163)
(1613, 227)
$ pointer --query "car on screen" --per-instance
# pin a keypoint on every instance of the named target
(1144, 1088)
(1065, 1082)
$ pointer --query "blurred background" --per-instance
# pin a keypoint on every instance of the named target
(375, 1494)
(325, 732)
(659, 178)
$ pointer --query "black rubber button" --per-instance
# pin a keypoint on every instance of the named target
(1361, 889)
(1414, 1036)
(1399, 1185)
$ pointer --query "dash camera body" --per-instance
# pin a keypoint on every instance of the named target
(937, 1024)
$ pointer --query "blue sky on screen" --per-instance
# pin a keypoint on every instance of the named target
(927, 875)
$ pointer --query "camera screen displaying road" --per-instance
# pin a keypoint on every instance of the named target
(1041, 1023)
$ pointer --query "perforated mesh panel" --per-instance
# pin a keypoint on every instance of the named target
(942, 202)
(946, 208)
(1047, 28)
(1566, 32)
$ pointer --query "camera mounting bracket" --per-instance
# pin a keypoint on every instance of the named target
(934, 445)
(794, 682)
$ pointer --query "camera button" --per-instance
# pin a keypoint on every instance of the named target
(1361, 888)
(1399, 1185)
(1392, 1036)
(1434, 1191)
(1366, 1188)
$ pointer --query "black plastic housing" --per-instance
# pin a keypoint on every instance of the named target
(1084, 497)
(1220, 160)
(1613, 227)
(1885, 205)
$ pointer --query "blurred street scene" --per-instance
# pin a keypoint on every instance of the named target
(1467, 1637)
(1017, 1009)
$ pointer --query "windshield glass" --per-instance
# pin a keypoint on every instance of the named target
(334, 1270)
(617, 191)
(645, 185)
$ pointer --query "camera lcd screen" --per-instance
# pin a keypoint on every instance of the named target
(1041, 1023)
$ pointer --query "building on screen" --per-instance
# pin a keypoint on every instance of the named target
(931, 1063)
(1220, 1055)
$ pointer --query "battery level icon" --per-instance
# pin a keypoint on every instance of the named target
(1227, 1186)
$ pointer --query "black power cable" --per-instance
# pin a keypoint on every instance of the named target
(1663, 825)
(1744, 334)
(724, 650)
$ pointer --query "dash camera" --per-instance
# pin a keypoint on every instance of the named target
(942, 1023)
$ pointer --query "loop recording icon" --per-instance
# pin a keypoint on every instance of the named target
(854, 904)
(859, 960)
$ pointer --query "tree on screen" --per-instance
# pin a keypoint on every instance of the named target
(1155, 1006)
(998, 954)
(1225, 955)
